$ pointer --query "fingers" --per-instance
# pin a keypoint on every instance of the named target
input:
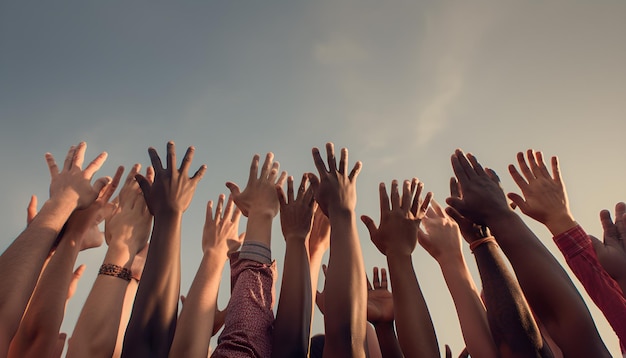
(384, 199)
(268, 165)
(461, 166)
(234, 188)
(130, 178)
(218, 209)
(517, 178)
(383, 280)
(610, 229)
(436, 208)
(229, 211)
(620, 219)
(150, 174)
(31, 210)
(319, 163)
(395, 196)
(209, 212)
(455, 188)
(343, 162)
(79, 154)
(187, 159)
(95, 165)
(369, 223)
(67, 163)
(540, 165)
(478, 169)
(375, 278)
(408, 187)
(517, 201)
(290, 196)
(155, 160)
(109, 190)
(199, 174)
(52, 165)
(416, 199)
(100, 183)
(556, 171)
(524, 167)
(282, 198)
(171, 156)
(354, 173)
(254, 168)
(330, 155)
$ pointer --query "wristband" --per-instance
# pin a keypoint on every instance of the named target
(485, 240)
(115, 271)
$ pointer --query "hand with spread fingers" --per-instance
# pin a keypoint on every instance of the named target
(545, 197)
(399, 222)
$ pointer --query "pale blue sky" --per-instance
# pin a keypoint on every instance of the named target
(400, 83)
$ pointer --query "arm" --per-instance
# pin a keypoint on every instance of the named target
(153, 319)
(319, 241)
(396, 238)
(249, 319)
(563, 312)
(39, 330)
(380, 314)
(345, 290)
(292, 326)
(126, 233)
(442, 240)
(195, 324)
(22, 261)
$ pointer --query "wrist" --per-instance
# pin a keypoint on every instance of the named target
(561, 223)
(120, 255)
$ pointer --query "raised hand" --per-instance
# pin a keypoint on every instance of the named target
(220, 234)
(129, 224)
(611, 251)
(259, 196)
(379, 298)
(292, 325)
(399, 222)
(337, 188)
(545, 197)
(442, 237)
(482, 197)
(296, 214)
(73, 183)
(471, 232)
(86, 221)
(172, 189)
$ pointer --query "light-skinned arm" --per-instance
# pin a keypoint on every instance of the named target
(396, 238)
(292, 326)
(442, 240)
(39, 330)
(153, 318)
(21, 262)
(127, 231)
(195, 323)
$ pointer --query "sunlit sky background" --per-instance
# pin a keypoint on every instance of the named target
(401, 84)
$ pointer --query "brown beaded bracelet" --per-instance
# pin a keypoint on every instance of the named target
(115, 271)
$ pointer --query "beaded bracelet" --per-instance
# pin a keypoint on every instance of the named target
(477, 243)
(115, 271)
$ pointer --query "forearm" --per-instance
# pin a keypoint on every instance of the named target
(345, 289)
(387, 340)
(195, 324)
(469, 307)
(38, 332)
(153, 319)
(96, 330)
(416, 333)
(293, 318)
(545, 274)
(22, 262)
(315, 264)
(127, 307)
(510, 319)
